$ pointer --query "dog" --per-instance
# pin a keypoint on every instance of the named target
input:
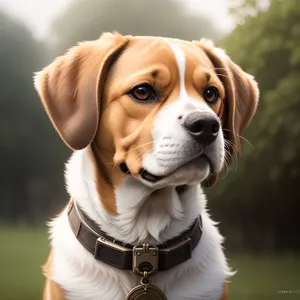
(151, 121)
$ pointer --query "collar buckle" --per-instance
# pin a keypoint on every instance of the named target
(145, 259)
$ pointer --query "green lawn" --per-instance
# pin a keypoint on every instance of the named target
(23, 251)
(268, 277)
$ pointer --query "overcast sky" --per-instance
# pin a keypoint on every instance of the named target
(39, 14)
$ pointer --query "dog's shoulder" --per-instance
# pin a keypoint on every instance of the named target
(52, 290)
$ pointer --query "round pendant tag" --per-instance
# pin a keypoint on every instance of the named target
(146, 292)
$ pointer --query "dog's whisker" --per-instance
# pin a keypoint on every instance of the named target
(246, 140)
(241, 137)
(226, 162)
(230, 145)
(229, 157)
(140, 146)
(147, 152)
(227, 171)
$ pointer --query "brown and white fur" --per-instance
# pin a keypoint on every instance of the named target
(86, 94)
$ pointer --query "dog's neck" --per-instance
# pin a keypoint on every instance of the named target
(144, 215)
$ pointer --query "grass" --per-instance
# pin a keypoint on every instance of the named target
(267, 277)
(22, 253)
(24, 250)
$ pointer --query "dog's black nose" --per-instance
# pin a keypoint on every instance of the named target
(203, 127)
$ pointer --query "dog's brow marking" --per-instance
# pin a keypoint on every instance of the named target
(181, 63)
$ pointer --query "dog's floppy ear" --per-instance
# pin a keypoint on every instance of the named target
(70, 88)
(241, 92)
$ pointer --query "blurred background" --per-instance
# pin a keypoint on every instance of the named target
(257, 202)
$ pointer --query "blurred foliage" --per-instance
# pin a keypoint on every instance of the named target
(261, 198)
(240, 9)
(167, 18)
(25, 136)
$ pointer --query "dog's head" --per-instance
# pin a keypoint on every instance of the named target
(164, 111)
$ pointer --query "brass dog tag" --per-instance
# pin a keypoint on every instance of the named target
(146, 292)
(145, 263)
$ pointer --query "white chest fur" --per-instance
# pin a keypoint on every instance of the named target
(144, 216)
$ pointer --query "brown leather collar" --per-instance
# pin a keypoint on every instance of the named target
(139, 259)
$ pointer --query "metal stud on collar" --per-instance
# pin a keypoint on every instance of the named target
(145, 259)
(145, 263)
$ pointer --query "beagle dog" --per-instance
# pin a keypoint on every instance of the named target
(151, 121)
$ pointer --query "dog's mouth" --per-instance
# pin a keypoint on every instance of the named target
(152, 178)
(143, 173)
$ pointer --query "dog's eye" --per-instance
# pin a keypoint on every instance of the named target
(211, 95)
(143, 93)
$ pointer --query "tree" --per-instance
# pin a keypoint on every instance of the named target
(260, 198)
(25, 133)
(240, 9)
(166, 18)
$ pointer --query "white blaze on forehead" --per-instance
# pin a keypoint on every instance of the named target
(181, 63)
(189, 102)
